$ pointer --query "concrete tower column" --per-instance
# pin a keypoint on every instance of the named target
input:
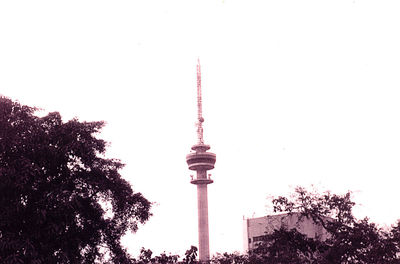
(202, 207)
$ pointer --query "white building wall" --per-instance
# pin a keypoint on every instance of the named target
(255, 228)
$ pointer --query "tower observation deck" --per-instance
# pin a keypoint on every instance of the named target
(201, 161)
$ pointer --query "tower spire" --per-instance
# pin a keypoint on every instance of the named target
(199, 106)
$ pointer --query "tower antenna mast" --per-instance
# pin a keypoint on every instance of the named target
(199, 106)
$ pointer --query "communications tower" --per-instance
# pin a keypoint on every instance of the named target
(201, 161)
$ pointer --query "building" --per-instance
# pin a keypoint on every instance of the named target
(256, 228)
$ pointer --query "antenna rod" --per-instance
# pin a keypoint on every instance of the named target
(199, 106)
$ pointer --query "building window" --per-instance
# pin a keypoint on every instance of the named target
(258, 238)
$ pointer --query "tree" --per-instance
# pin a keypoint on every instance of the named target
(349, 241)
(61, 200)
(146, 257)
(190, 255)
(230, 258)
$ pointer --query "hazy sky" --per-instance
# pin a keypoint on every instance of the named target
(295, 93)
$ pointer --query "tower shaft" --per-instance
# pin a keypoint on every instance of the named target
(202, 207)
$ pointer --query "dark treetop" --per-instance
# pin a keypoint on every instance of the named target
(350, 240)
(61, 201)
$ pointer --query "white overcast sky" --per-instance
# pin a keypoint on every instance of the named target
(295, 93)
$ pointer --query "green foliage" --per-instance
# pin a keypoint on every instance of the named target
(190, 255)
(287, 246)
(230, 258)
(146, 257)
(54, 185)
(349, 240)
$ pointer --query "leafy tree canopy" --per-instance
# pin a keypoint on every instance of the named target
(349, 240)
(61, 200)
